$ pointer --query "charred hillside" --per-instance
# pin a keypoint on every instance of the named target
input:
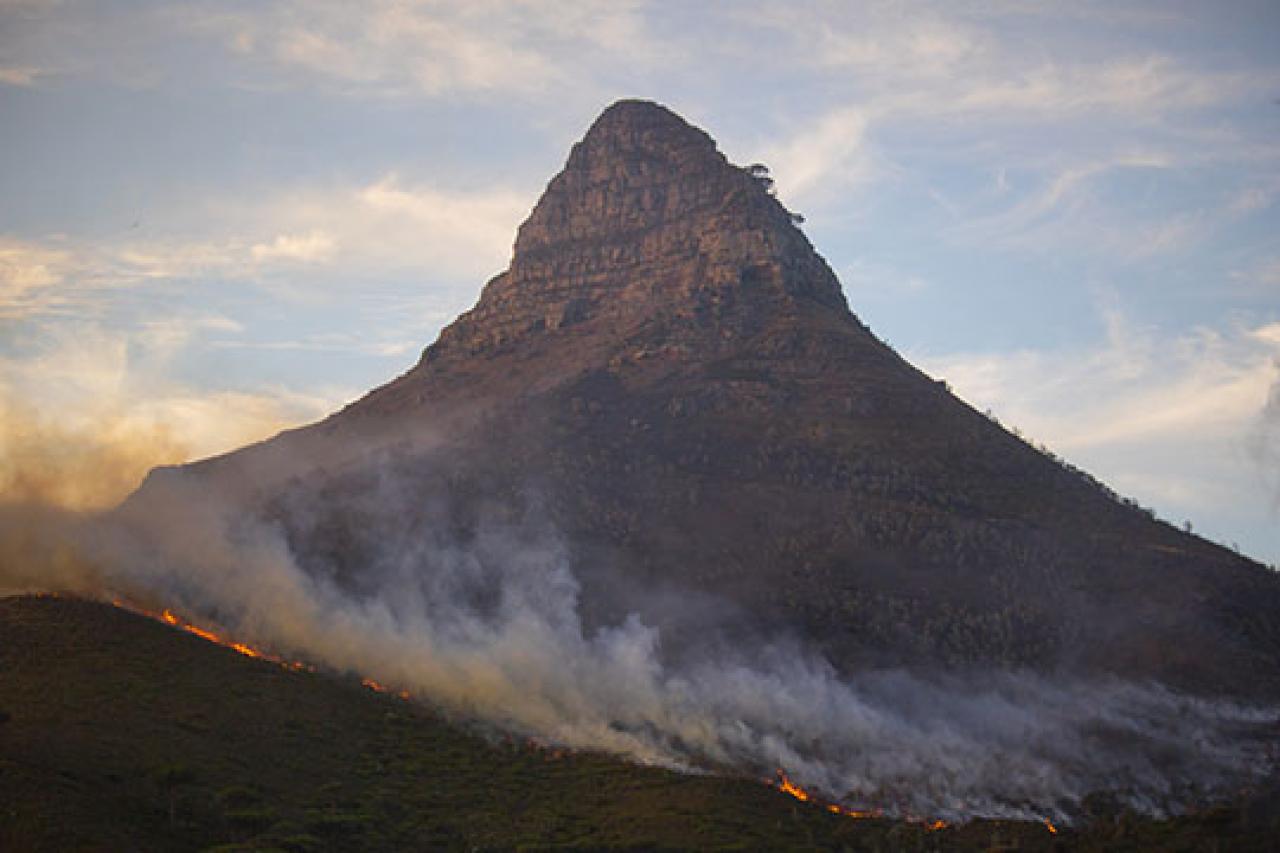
(668, 376)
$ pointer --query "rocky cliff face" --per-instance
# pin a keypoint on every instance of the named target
(668, 377)
(646, 218)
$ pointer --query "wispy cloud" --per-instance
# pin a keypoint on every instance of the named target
(1165, 418)
(823, 158)
(383, 227)
(1139, 88)
(1066, 209)
(863, 277)
(432, 49)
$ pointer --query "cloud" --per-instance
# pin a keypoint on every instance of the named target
(1140, 88)
(823, 158)
(1069, 206)
(84, 417)
(884, 42)
(1263, 276)
(1253, 199)
(382, 228)
(313, 247)
(19, 75)
(432, 49)
(1164, 418)
(864, 277)
(29, 276)
(918, 93)
(385, 226)
(1264, 444)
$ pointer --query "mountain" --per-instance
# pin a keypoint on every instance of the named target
(669, 379)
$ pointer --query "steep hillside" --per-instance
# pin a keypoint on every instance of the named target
(121, 733)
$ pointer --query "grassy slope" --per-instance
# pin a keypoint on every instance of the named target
(108, 720)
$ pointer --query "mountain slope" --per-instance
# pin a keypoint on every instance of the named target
(668, 377)
(120, 733)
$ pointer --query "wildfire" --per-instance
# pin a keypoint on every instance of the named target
(788, 787)
(785, 785)
(168, 617)
(379, 687)
(1049, 826)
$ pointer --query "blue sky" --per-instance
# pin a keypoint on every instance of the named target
(226, 218)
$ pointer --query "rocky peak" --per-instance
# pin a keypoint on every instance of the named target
(647, 219)
(639, 166)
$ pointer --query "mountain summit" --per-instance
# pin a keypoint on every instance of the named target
(668, 378)
(647, 226)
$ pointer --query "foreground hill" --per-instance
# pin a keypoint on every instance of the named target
(669, 378)
(121, 733)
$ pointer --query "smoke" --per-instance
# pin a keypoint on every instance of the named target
(489, 626)
(43, 462)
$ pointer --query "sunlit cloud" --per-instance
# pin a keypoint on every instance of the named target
(380, 227)
(84, 418)
(29, 275)
(18, 76)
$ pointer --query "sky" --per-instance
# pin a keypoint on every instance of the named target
(224, 219)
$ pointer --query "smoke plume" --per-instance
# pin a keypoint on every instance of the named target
(489, 627)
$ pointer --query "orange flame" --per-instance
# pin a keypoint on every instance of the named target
(1049, 826)
(785, 785)
(168, 617)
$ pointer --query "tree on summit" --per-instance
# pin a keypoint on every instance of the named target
(760, 172)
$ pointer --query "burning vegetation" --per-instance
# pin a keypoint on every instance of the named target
(782, 782)
(235, 753)
(170, 618)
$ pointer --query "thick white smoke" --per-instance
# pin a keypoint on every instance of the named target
(491, 629)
